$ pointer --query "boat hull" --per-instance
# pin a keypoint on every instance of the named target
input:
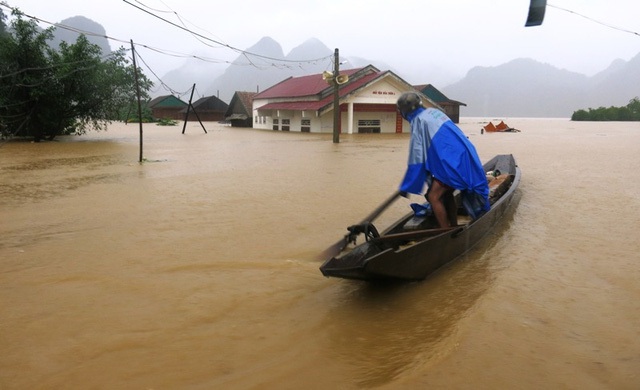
(417, 260)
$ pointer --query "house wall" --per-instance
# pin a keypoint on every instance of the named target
(382, 94)
(242, 122)
(167, 113)
(324, 123)
(278, 121)
(453, 112)
(237, 107)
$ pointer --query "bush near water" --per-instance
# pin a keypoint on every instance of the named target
(631, 112)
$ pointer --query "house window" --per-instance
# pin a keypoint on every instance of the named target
(305, 125)
(275, 124)
(369, 126)
(285, 124)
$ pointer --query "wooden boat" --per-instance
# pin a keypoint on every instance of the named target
(414, 247)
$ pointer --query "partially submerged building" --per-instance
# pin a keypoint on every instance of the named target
(240, 110)
(167, 107)
(449, 106)
(367, 103)
(208, 109)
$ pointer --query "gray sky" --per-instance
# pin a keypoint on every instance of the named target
(448, 37)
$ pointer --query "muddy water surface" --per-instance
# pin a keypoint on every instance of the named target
(196, 269)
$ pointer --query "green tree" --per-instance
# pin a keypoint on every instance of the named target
(634, 108)
(631, 112)
(129, 113)
(580, 115)
(44, 92)
(25, 75)
(3, 24)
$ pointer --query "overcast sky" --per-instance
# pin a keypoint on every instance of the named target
(452, 36)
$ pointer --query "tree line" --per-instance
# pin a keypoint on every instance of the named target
(45, 91)
(630, 112)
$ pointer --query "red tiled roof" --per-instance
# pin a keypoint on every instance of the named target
(316, 105)
(300, 86)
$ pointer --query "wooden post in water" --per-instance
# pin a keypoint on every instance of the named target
(186, 116)
(336, 98)
(135, 72)
(190, 106)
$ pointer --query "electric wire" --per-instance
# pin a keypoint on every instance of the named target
(221, 44)
(162, 83)
(51, 67)
(594, 20)
(180, 18)
(165, 51)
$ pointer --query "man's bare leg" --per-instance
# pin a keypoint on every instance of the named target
(451, 207)
(434, 196)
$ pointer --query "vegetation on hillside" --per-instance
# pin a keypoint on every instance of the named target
(46, 92)
(631, 112)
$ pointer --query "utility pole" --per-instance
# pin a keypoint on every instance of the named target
(135, 72)
(336, 97)
(189, 107)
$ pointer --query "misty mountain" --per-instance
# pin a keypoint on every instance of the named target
(527, 88)
(264, 64)
(254, 70)
(519, 88)
(616, 85)
(179, 81)
(80, 23)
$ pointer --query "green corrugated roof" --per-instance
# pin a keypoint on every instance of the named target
(167, 101)
(433, 94)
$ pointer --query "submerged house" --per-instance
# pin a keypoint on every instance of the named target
(450, 107)
(167, 107)
(367, 103)
(240, 111)
(499, 128)
(208, 109)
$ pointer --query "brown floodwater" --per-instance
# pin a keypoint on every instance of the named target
(197, 268)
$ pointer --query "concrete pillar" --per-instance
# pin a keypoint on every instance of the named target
(350, 118)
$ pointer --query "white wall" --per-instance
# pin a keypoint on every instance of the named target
(384, 91)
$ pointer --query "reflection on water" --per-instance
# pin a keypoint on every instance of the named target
(384, 329)
(86, 162)
(36, 174)
(195, 269)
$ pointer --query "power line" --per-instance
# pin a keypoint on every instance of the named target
(221, 43)
(56, 77)
(162, 83)
(181, 19)
(154, 9)
(89, 33)
(50, 67)
(164, 51)
(594, 20)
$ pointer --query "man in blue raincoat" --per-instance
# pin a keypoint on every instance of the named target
(442, 156)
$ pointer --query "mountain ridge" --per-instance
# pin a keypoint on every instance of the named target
(522, 87)
(528, 88)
